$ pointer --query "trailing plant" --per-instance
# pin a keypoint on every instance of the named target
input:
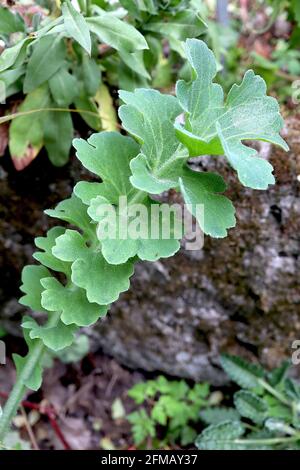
(63, 62)
(266, 413)
(174, 409)
(81, 273)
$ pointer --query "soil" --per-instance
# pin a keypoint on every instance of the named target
(82, 397)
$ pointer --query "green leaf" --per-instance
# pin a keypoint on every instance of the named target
(276, 409)
(292, 389)
(32, 287)
(11, 81)
(117, 33)
(74, 212)
(159, 412)
(116, 152)
(47, 57)
(163, 74)
(251, 406)
(118, 249)
(296, 8)
(76, 26)
(14, 54)
(142, 426)
(149, 115)
(54, 337)
(76, 352)
(245, 374)
(140, 391)
(222, 436)
(88, 110)
(72, 302)
(26, 132)
(135, 61)
(94, 270)
(63, 87)
(129, 79)
(87, 191)
(182, 25)
(277, 376)
(187, 435)
(107, 155)
(51, 27)
(58, 123)
(33, 380)
(46, 257)
(216, 127)
(218, 211)
(134, 8)
(10, 22)
(218, 414)
(70, 246)
(91, 75)
(102, 282)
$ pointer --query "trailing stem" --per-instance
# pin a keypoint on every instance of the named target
(34, 358)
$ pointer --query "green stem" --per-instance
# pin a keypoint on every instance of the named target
(270, 441)
(275, 393)
(10, 117)
(82, 5)
(88, 7)
(33, 359)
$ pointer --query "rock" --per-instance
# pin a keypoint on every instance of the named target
(240, 294)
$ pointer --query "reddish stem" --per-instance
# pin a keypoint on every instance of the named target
(51, 415)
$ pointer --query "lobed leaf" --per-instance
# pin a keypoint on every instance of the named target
(55, 337)
(214, 126)
(71, 302)
(31, 286)
(162, 164)
(148, 116)
(102, 282)
(45, 256)
(32, 379)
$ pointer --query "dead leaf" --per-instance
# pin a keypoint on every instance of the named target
(22, 162)
(107, 110)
